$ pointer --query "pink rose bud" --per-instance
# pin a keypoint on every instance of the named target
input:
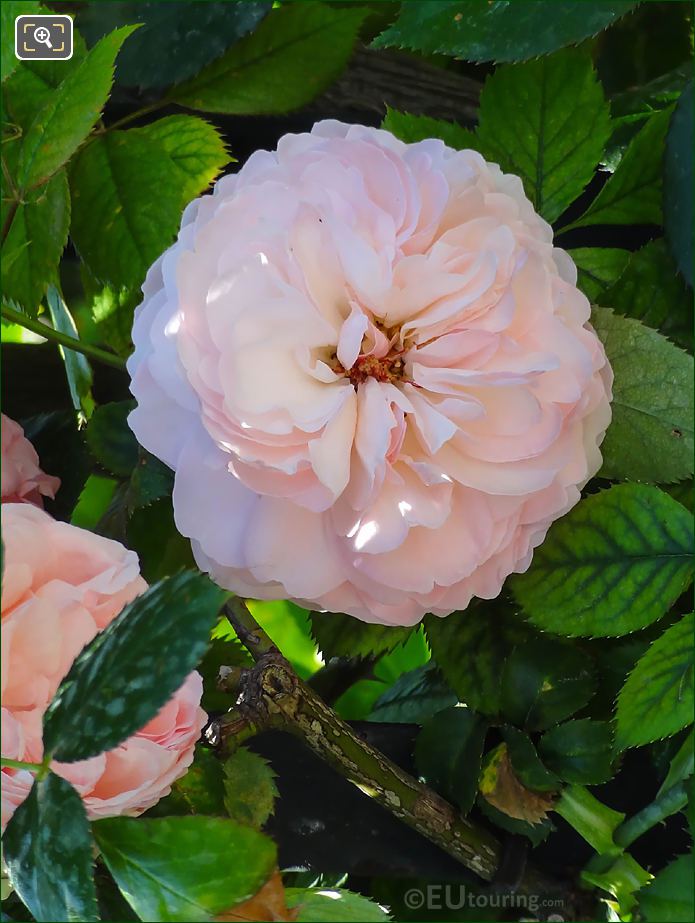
(372, 373)
(62, 585)
(22, 479)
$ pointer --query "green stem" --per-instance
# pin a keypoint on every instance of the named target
(20, 764)
(49, 333)
(670, 802)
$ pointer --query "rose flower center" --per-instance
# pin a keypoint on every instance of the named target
(387, 368)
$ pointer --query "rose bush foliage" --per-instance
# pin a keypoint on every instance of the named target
(406, 364)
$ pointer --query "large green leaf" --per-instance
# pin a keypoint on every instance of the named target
(448, 753)
(414, 697)
(598, 268)
(249, 786)
(670, 896)
(176, 38)
(136, 183)
(340, 635)
(412, 128)
(111, 439)
(69, 113)
(295, 53)
(47, 848)
(632, 195)
(657, 698)
(651, 435)
(546, 121)
(184, 869)
(77, 367)
(479, 30)
(678, 183)
(35, 243)
(132, 668)
(579, 751)
(151, 531)
(651, 290)
(545, 681)
(471, 649)
(333, 905)
(613, 565)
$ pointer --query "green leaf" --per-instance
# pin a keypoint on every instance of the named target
(526, 763)
(412, 128)
(266, 72)
(678, 183)
(185, 869)
(35, 243)
(249, 788)
(598, 268)
(33, 83)
(199, 791)
(62, 453)
(109, 437)
(414, 697)
(77, 367)
(339, 635)
(471, 649)
(579, 751)
(592, 820)
(681, 766)
(651, 290)
(176, 39)
(670, 896)
(152, 532)
(613, 565)
(333, 905)
(136, 183)
(497, 31)
(547, 122)
(632, 194)
(70, 113)
(47, 848)
(657, 698)
(112, 311)
(289, 627)
(544, 682)
(9, 10)
(132, 668)
(449, 751)
(651, 435)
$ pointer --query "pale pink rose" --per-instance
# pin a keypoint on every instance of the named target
(23, 481)
(61, 586)
(372, 373)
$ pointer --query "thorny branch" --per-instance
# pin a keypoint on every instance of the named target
(270, 695)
